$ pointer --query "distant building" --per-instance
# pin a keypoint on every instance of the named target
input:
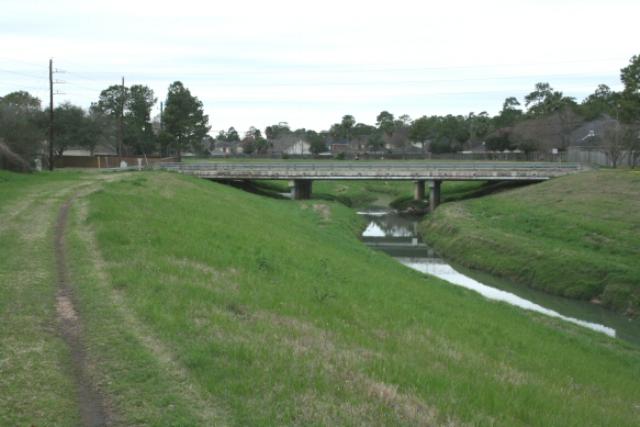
(99, 150)
(590, 134)
(290, 145)
(298, 148)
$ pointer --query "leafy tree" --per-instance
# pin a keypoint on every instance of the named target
(316, 142)
(232, 135)
(453, 132)
(362, 130)
(602, 101)
(134, 104)
(70, 127)
(101, 130)
(252, 132)
(630, 75)
(21, 101)
(628, 103)
(499, 141)
(423, 130)
(184, 118)
(479, 125)
(541, 92)
(22, 124)
(400, 133)
(405, 120)
(248, 146)
(509, 114)
(253, 142)
(385, 123)
(113, 100)
(544, 100)
(277, 130)
(336, 131)
(375, 142)
(262, 145)
(347, 123)
(139, 131)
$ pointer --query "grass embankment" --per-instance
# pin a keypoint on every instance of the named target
(576, 236)
(205, 305)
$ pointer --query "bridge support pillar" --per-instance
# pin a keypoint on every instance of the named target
(301, 189)
(418, 194)
(434, 194)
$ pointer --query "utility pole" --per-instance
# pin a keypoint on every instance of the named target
(161, 115)
(50, 114)
(121, 139)
(51, 83)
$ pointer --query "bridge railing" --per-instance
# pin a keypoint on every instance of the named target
(324, 166)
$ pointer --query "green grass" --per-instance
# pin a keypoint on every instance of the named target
(358, 194)
(35, 380)
(206, 305)
(575, 236)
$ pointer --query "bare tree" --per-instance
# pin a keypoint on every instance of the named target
(612, 143)
(631, 142)
(546, 132)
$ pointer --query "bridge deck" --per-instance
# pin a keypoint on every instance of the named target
(461, 171)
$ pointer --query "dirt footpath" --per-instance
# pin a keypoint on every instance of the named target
(90, 401)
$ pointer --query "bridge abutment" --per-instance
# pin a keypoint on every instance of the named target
(301, 189)
(434, 194)
(418, 193)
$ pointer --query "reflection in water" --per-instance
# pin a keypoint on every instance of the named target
(398, 236)
(437, 267)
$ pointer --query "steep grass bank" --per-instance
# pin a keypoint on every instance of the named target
(277, 313)
(205, 305)
(576, 236)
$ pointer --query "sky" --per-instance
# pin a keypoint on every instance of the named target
(256, 63)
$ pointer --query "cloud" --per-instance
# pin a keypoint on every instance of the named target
(312, 62)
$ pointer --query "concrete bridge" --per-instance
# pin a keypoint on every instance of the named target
(304, 173)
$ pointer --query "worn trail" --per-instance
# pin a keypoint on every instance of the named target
(91, 404)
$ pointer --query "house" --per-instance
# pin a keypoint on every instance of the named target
(298, 148)
(222, 148)
(99, 150)
(290, 145)
(590, 134)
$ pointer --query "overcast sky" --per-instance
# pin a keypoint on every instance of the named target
(309, 63)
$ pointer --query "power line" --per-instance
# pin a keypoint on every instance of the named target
(19, 73)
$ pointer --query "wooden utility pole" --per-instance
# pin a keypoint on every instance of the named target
(50, 114)
(161, 115)
(121, 139)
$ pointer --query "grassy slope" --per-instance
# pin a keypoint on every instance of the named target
(205, 305)
(35, 382)
(279, 314)
(575, 236)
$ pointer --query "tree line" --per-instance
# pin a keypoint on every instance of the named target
(121, 118)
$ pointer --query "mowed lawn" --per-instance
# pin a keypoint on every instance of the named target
(205, 305)
(577, 236)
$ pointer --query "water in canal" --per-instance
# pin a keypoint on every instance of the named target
(398, 236)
